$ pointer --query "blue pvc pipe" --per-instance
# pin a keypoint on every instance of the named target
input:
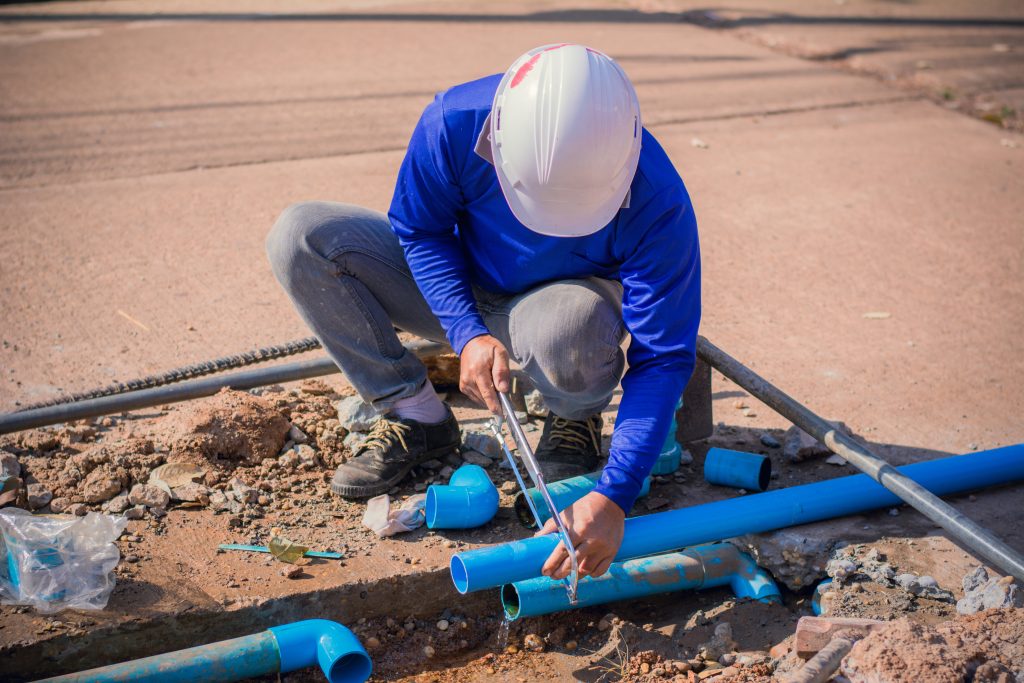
(740, 470)
(706, 566)
(665, 531)
(671, 452)
(563, 493)
(277, 650)
(468, 501)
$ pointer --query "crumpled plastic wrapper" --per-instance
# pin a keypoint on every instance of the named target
(56, 562)
(387, 522)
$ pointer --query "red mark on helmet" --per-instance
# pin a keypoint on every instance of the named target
(528, 67)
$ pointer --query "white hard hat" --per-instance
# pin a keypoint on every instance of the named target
(565, 137)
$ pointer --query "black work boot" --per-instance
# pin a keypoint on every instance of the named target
(569, 448)
(392, 449)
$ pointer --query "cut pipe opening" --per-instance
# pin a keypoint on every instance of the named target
(523, 512)
(764, 474)
(459, 574)
(431, 508)
(510, 601)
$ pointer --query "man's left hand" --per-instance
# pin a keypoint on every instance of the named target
(595, 526)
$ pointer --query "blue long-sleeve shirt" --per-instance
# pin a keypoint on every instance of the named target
(457, 230)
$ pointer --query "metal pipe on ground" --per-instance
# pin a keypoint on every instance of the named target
(186, 391)
(961, 528)
(705, 566)
(662, 532)
(277, 650)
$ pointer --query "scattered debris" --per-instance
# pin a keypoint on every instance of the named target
(982, 592)
(355, 415)
(383, 521)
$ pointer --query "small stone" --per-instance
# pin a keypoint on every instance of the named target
(308, 459)
(9, 465)
(770, 441)
(243, 492)
(894, 512)
(535, 404)
(77, 509)
(645, 668)
(475, 458)
(533, 643)
(193, 492)
(749, 413)
(509, 487)
(136, 512)
(481, 442)
(150, 496)
(99, 487)
(117, 504)
(685, 458)
(432, 465)
(157, 512)
(681, 667)
(429, 651)
(571, 645)
(292, 571)
(38, 496)
(835, 459)
(605, 623)
(727, 659)
(131, 558)
(355, 415)
(372, 643)
(511, 650)
(443, 625)
(297, 435)
(353, 440)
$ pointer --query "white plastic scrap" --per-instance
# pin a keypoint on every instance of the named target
(56, 562)
(384, 521)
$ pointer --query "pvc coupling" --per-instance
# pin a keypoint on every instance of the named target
(740, 470)
(469, 500)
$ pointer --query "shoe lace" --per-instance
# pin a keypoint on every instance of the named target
(384, 434)
(575, 433)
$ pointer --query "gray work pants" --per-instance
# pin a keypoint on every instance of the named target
(347, 276)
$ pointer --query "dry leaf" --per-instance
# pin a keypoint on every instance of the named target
(175, 474)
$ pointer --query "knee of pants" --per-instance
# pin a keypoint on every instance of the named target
(288, 240)
(584, 364)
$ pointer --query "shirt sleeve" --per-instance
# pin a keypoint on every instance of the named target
(423, 214)
(661, 310)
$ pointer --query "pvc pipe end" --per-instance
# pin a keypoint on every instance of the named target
(510, 601)
(523, 512)
(460, 577)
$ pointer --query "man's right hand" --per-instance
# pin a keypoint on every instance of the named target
(484, 368)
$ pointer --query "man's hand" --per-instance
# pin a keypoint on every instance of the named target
(484, 368)
(595, 526)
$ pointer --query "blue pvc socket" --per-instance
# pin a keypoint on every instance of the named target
(468, 501)
(740, 470)
(671, 452)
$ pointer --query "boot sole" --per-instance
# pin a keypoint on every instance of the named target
(371, 490)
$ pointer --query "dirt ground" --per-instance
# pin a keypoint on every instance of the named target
(855, 166)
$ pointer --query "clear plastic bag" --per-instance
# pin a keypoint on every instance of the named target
(56, 562)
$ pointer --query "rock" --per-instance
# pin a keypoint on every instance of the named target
(432, 465)
(535, 404)
(288, 461)
(443, 625)
(509, 488)
(243, 492)
(727, 659)
(720, 643)
(533, 643)
(482, 443)
(150, 496)
(297, 435)
(474, 458)
(137, 512)
(38, 496)
(308, 459)
(117, 504)
(192, 492)
(355, 415)
(982, 592)
(835, 459)
(571, 645)
(770, 441)
(38, 440)
(841, 568)
(372, 643)
(9, 465)
(798, 445)
(685, 458)
(59, 505)
(429, 651)
(157, 512)
(292, 571)
(77, 509)
(99, 486)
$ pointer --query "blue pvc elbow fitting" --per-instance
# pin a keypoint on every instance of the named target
(319, 641)
(740, 470)
(469, 500)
